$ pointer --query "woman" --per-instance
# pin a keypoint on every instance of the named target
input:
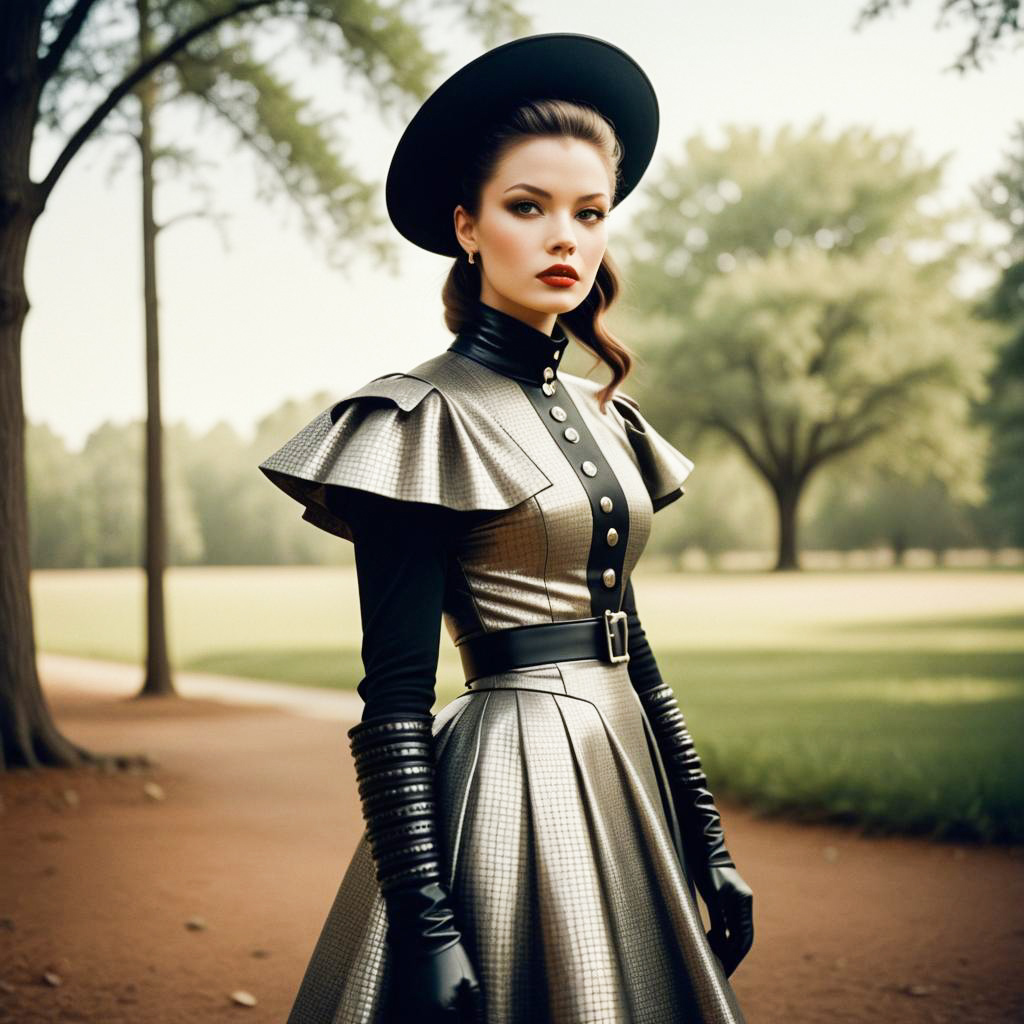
(533, 851)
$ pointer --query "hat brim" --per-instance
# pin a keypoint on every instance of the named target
(422, 182)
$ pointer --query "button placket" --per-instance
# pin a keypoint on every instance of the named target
(602, 577)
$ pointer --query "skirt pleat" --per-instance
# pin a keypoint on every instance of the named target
(564, 866)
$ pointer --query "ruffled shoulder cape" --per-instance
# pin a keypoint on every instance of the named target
(662, 466)
(399, 436)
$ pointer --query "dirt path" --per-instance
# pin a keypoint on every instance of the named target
(260, 818)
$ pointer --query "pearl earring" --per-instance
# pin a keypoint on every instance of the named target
(471, 256)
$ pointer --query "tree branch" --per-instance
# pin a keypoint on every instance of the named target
(131, 80)
(69, 29)
(867, 405)
(251, 139)
(732, 431)
(836, 321)
(838, 447)
(762, 409)
(200, 213)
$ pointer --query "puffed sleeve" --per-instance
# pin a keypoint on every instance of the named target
(400, 437)
(401, 552)
(662, 466)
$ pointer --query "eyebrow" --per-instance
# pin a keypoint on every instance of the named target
(547, 195)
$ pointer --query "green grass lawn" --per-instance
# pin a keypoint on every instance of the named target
(890, 699)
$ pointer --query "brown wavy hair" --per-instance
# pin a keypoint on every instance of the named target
(461, 291)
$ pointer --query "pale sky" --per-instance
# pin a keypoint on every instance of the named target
(244, 329)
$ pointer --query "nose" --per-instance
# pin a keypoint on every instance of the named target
(562, 238)
(564, 245)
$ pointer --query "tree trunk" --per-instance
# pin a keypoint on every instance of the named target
(28, 736)
(899, 548)
(787, 496)
(158, 670)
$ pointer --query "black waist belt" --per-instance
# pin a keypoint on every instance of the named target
(604, 637)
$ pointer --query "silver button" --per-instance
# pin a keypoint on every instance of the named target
(608, 577)
(606, 503)
(572, 434)
(558, 413)
(548, 373)
(556, 355)
(589, 468)
(548, 388)
(613, 536)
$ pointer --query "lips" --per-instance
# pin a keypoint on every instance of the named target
(560, 274)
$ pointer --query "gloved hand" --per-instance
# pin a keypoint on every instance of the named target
(727, 896)
(433, 978)
(730, 907)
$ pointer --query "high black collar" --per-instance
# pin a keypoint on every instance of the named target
(511, 346)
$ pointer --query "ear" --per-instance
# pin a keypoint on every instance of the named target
(465, 229)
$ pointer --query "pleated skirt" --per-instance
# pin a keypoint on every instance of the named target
(564, 865)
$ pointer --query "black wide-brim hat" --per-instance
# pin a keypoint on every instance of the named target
(422, 188)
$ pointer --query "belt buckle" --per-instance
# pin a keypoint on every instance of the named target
(611, 620)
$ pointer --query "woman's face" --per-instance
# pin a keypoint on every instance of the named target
(546, 203)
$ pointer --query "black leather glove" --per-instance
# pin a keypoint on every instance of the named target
(433, 978)
(727, 896)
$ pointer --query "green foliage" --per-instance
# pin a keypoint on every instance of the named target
(56, 479)
(795, 298)
(1002, 196)
(86, 508)
(886, 510)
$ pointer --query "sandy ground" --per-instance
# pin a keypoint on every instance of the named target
(259, 818)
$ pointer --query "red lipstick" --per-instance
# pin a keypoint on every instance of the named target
(559, 275)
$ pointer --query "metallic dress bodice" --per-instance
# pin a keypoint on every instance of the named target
(492, 423)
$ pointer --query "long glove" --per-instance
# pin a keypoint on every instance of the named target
(434, 978)
(727, 896)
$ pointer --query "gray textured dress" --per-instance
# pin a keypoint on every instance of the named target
(563, 852)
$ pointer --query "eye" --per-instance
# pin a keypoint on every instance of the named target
(599, 215)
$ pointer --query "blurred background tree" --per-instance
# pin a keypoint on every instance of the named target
(1002, 196)
(794, 298)
(884, 510)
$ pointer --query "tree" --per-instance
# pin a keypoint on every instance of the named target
(48, 66)
(795, 299)
(54, 488)
(1002, 195)
(991, 19)
(885, 509)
